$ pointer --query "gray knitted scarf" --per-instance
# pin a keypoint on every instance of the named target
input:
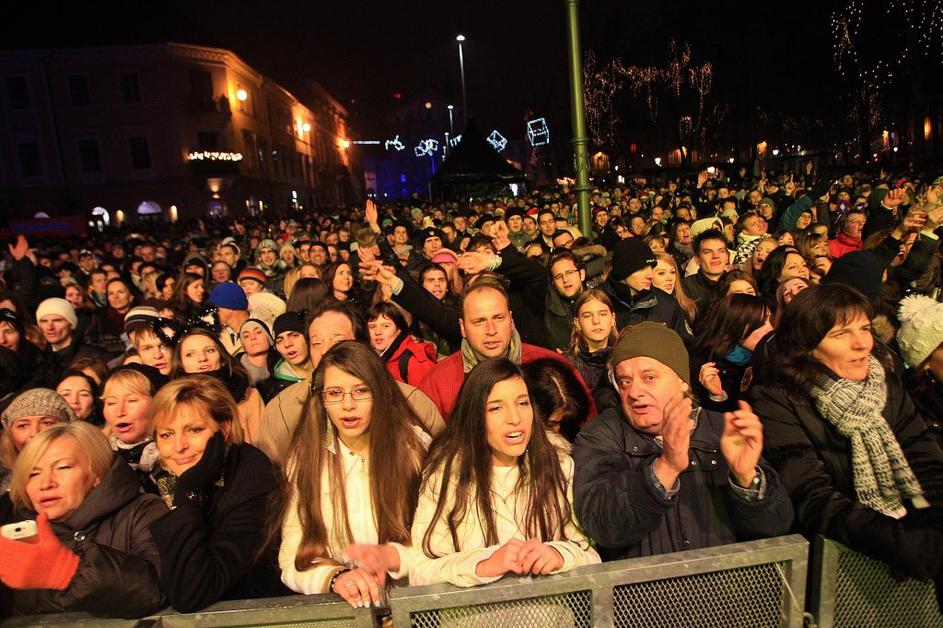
(881, 472)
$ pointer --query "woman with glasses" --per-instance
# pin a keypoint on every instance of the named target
(497, 494)
(353, 478)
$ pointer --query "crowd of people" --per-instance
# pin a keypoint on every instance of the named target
(426, 392)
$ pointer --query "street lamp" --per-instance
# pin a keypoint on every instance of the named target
(451, 126)
(461, 65)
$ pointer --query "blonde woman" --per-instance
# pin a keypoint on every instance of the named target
(217, 487)
(665, 277)
(93, 551)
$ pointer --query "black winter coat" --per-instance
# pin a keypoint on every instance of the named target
(648, 305)
(619, 506)
(814, 463)
(119, 563)
(208, 552)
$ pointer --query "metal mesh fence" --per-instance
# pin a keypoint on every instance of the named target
(867, 594)
(568, 610)
(752, 596)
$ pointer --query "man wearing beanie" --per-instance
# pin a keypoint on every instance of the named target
(23, 365)
(58, 322)
(291, 342)
(658, 474)
(635, 299)
(233, 305)
(257, 356)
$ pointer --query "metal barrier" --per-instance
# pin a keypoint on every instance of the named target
(850, 589)
(760, 583)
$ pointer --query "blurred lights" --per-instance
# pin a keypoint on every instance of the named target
(428, 105)
(214, 156)
(345, 144)
(658, 161)
(306, 127)
(459, 38)
(242, 94)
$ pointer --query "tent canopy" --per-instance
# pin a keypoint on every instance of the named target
(474, 160)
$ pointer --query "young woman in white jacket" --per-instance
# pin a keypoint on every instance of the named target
(496, 496)
(354, 469)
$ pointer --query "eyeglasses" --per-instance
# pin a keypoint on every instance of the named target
(336, 395)
(565, 274)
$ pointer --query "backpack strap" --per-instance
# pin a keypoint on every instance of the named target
(404, 364)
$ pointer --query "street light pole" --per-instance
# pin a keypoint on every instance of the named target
(580, 140)
(461, 65)
(451, 126)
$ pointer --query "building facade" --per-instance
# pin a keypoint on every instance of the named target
(164, 131)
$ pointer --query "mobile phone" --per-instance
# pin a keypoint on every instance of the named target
(19, 530)
(711, 170)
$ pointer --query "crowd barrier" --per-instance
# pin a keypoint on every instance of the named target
(850, 589)
(759, 583)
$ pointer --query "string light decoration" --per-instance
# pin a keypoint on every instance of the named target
(680, 85)
(498, 141)
(426, 147)
(214, 156)
(538, 133)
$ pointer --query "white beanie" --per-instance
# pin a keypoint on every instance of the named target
(921, 328)
(60, 307)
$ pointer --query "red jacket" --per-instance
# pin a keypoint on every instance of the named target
(421, 360)
(444, 381)
(843, 244)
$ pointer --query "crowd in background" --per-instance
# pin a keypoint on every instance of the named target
(416, 392)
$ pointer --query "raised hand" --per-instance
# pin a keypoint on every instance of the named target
(676, 438)
(709, 376)
(20, 248)
(742, 443)
(474, 262)
(501, 235)
(894, 198)
(370, 212)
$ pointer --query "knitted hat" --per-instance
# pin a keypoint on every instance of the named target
(229, 295)
(9, 316)
(921, 328)
(653, 340)
(289, 321)
(59, 307)
(140, 316)
(700, 226)
(253, 273)
(153, 376)
(254, 322)
(267, 243)
(266, 307)
(431, 232)
(861, 270)
(37, 402)
(629, 256)
(231, 241)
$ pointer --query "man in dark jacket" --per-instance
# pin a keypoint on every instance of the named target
(660, 475)
(703, 287)
(57, 321)
(629, 285)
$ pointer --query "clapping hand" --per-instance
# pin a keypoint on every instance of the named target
(742, 443)
(709, 376)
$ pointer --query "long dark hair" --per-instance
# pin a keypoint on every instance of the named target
(767, 278)
(308, 294)
(806, 321)
(396, 454)
(553, 387)
(727, 322)
(462, 461)
(180, 303)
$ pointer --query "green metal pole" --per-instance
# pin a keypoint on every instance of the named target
(580, 140)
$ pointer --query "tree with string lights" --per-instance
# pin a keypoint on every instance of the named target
(889, 55)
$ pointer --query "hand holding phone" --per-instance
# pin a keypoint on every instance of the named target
(19, 530)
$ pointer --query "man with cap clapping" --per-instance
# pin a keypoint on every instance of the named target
(659, 474)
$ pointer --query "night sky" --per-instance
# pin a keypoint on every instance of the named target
(773, 55)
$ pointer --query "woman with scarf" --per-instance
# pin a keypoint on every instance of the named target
(127, 397)
(723, 349)
(408, 360)
(845, 438)
(199, 352)
(212, 542)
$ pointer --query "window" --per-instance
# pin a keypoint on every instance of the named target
(201, 86)
(89, 156)
(130, 87)
(18, 92)
(78, 90)
(208, 141)
(140, 153)
(31, 162)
